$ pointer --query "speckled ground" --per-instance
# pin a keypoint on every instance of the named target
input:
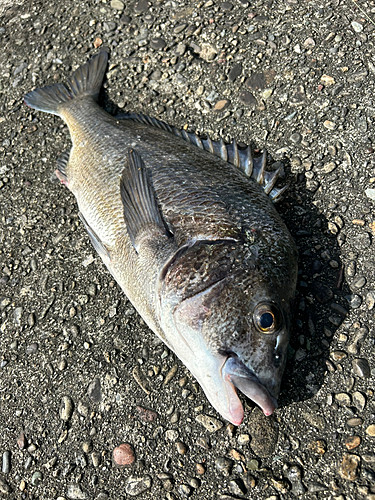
(80, 373)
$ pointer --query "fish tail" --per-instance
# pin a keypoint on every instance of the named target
(86, 81)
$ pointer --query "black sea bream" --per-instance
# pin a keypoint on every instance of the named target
(188, 229)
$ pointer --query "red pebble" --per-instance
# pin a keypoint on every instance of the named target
(123, 455)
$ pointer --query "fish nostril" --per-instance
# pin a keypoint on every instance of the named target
(277, 358)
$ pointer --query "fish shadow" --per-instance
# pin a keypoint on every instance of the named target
(322, 296)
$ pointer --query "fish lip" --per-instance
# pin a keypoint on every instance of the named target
(245, 380)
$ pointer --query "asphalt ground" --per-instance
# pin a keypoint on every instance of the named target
(80, 373)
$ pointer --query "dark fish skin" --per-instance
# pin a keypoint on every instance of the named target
(195, 244)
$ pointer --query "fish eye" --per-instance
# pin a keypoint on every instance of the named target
(267, 318)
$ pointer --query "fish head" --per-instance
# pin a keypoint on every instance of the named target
(233, 334)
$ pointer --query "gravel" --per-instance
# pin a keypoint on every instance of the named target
(80, 373)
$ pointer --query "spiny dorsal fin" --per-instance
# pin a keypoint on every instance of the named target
(241, 158)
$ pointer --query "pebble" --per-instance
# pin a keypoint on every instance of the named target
(137, 485)
(321, 292)
(185, 490)
(87, 446)
(318, 447)
(329, 125)
(359, 400)
(224, 466)
(66, 408)
(211, 424)
(354, 422)
(370, 431)
(338, 356)
(370, 193)
(221, 105)
(117, 4)
(123, 455)
(171, 373)
(357, 27)
(294, 474)
(235, 72)
(314, 419)
(200, 469)
(296, 138)
(237, 487)
(343, 398)
(171, 435)
(370, 300)
(158, 43)
(264, 433)
(75, 492)
(361, 367)
(352, 442)
(181, 448)
(349, 467)
(247, 99)
(141, 380)
(146, 415)
(6, 462)
(94, 390)
(362, 241)
(36, 478)
(21, 441)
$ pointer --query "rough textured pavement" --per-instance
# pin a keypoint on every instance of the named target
(80, 374)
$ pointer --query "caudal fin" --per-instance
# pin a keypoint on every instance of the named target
(85, 81)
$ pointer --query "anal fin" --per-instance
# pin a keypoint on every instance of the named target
(62, 164)
(142, 215)
(96, 242)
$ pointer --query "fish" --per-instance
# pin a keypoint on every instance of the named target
(188, 228)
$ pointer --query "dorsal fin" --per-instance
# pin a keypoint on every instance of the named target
(241, 158)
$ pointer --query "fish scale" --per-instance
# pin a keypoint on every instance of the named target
(187, 227)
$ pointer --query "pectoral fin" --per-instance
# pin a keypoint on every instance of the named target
(142, 215)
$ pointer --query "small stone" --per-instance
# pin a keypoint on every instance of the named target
(264, 433)
(343, 398)
(235, 72)
(247, 99)
(146, 415)
(314, 420)
(357, 27)
(141, 380)
(75, 492)
(237, 487)
(243, 439)
(354, 422)
(117, 4)
(181, 448)
(327, 80)
(370, 431)
(362, 241)
(212, 424)
(370, 300)
(349, 467)
(66, 408)
(280, 485)
(370, 193)
(309, 43)
(224, 466)
(6, 462)
(296, 138)
(361, 367)
(96, 458)
(318, 447)
(236, 455)
(329, 125)
(123, 455)
(221, 105)
(36, 478)
(321, 292)
(158, 43)
(359, 400)
(200, 469)
(94, 390)
(352, 442)
(338, 356)
(328, 167)
(97, 43)
(171, 373)
(171, 435)
(185, 490)
(21, 441)
(137, 485)
(87, 446)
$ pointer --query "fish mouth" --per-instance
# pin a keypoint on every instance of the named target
(236, 373)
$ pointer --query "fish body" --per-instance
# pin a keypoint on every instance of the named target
(194, 242)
